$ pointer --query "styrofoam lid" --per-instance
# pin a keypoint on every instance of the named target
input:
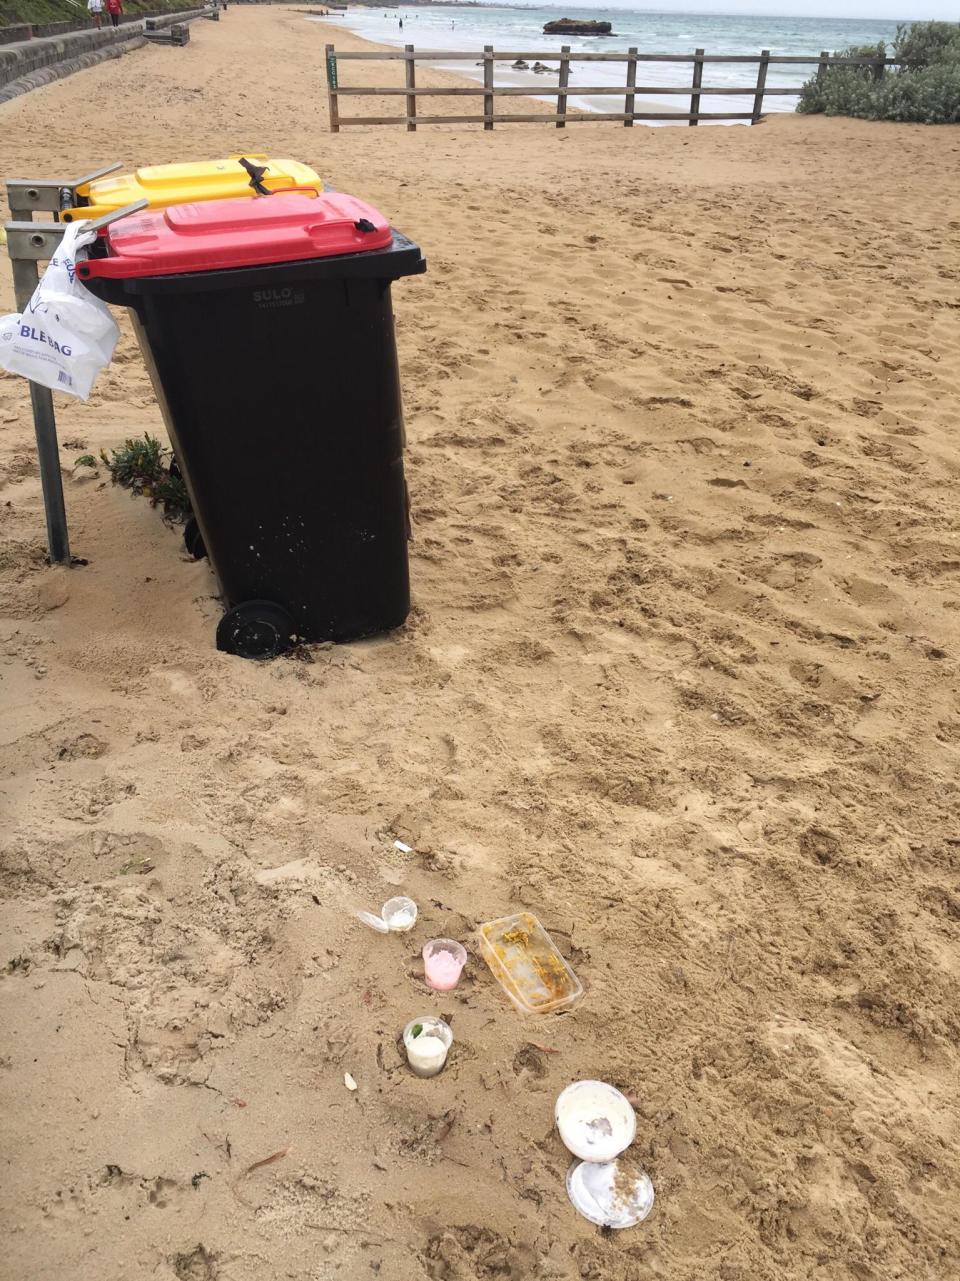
(611, 1194)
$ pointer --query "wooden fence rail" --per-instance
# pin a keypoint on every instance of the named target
(489, 91)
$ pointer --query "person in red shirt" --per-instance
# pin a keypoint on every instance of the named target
(115, 8)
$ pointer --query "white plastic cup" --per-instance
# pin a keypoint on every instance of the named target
(427, 1052)
(443, 961)
(400, 914)
(396, 916)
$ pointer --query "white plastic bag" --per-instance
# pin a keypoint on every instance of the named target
(65, 335)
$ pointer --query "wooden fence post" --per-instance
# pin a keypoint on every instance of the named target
(332, 89)
(411, 84)
(761, 84)
(488, 84)
(563, 82)
(697, 82)
(629, 101)
(878, 67)
(822, 68)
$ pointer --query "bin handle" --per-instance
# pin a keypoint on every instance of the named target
(282, 191)
(256, 173)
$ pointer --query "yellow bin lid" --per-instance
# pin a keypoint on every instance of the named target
(164, 185)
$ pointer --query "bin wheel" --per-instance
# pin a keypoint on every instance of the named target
(255, 629)
(193, 540)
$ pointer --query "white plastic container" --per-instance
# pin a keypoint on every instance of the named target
(427, 1051)
(595, 1120)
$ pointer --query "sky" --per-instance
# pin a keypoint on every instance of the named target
(903, 10)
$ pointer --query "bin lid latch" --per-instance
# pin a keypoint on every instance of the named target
(256, 173)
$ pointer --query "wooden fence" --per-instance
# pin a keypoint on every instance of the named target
(629, 91)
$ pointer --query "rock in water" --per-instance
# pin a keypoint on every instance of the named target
(576, 27)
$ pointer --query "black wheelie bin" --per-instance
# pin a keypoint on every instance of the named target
(267, 327)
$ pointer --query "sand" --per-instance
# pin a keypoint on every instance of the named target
(680, 677)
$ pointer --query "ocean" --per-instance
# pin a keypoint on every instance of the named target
(466, 28)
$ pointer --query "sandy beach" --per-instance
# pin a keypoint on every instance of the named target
(681, 677)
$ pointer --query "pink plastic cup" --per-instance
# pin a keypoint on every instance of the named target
(443, 960)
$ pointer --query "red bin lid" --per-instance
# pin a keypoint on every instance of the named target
(215, 235)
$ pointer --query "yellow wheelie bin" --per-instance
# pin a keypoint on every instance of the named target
(163, 185)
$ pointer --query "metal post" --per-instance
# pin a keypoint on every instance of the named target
(25, 197)
(29, 243)
(25, 280)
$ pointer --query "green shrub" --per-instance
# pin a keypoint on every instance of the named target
(141, 465)
(924, 89)
(926, 44)
(843, 91)
(930, 97)
(878, 50)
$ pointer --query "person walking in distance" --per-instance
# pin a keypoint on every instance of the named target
(95, 9)
(115, 8)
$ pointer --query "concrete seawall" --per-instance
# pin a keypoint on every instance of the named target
(45, 70)
(21, 60)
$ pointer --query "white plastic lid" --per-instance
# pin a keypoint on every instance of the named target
(611, 1194)
(375, 922)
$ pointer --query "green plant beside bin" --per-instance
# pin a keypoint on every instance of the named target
(141, 466)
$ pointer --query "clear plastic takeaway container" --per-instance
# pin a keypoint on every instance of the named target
(528, 966)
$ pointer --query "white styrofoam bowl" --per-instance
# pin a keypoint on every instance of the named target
(595, 1120)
